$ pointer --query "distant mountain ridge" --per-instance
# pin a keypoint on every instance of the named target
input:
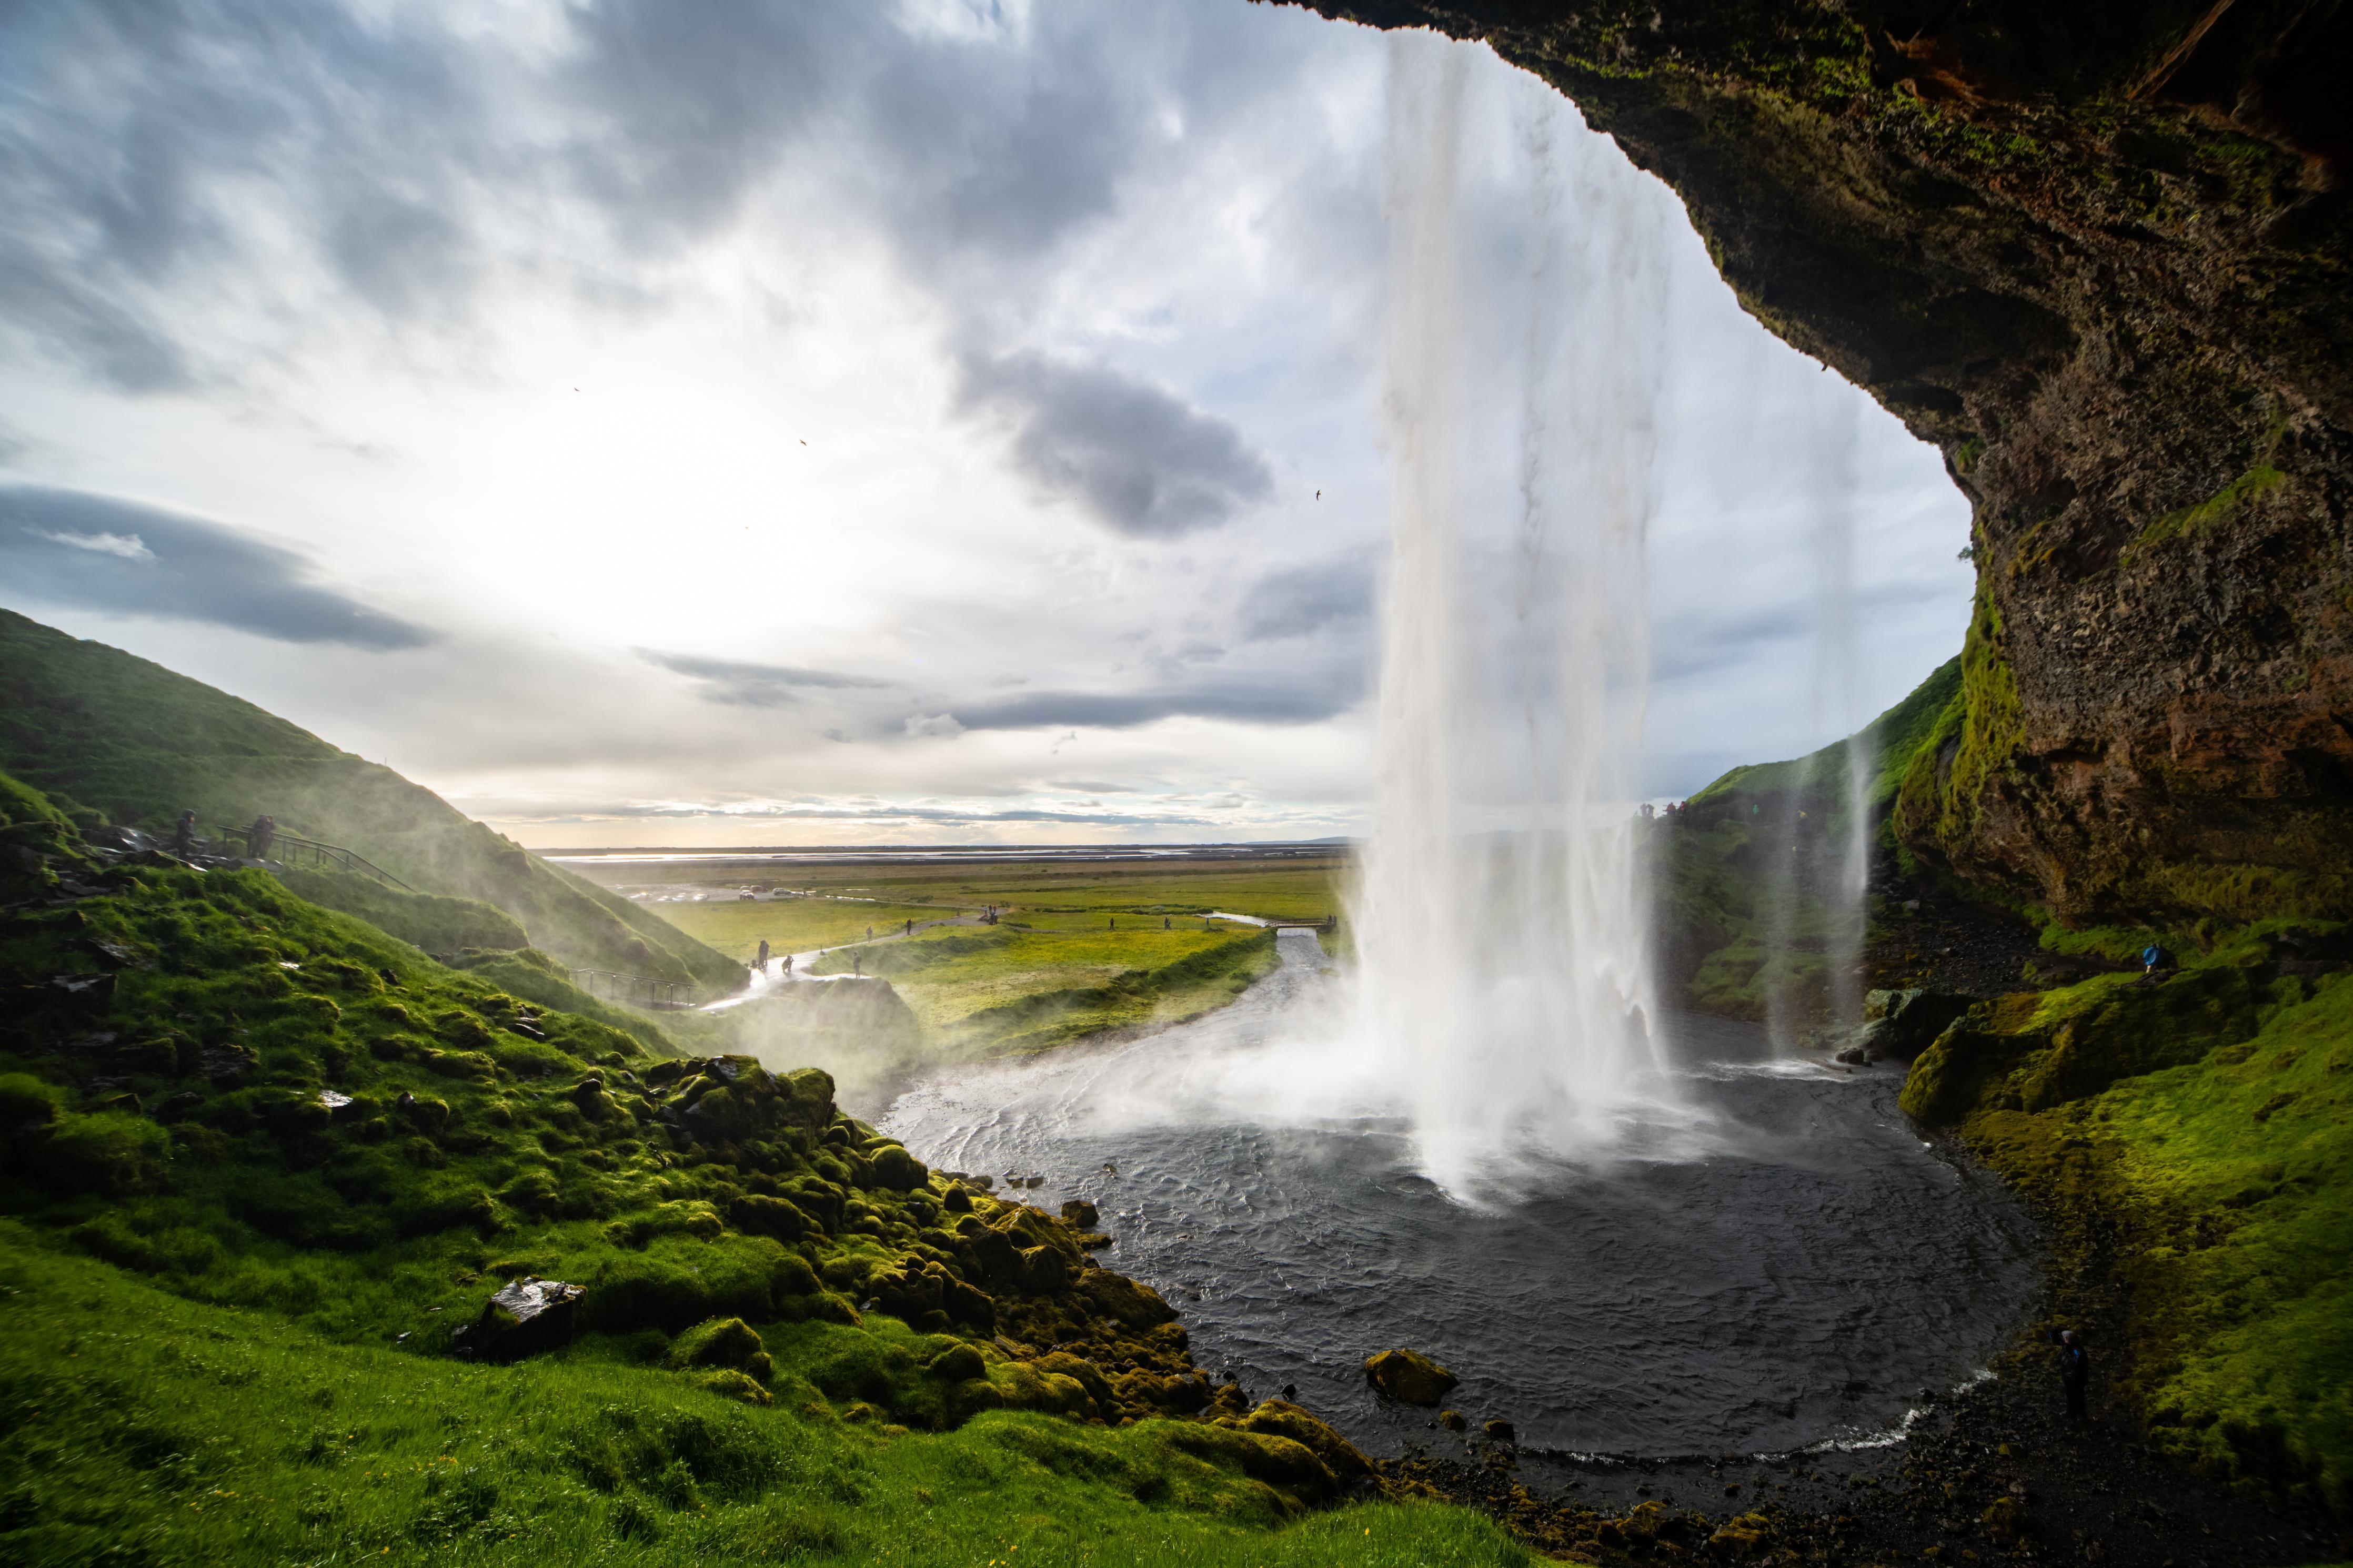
(123, 736)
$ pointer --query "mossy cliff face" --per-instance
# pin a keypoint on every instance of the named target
(2188, 1143)
(2098, 254)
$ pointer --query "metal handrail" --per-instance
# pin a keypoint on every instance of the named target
(322, 855)
(621, 987)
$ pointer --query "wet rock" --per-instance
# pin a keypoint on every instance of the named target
(1082, 1213)
(1912, 1018)
(1409, 1377)
(528, 1315)
(1281, 1418)
(1501, 1430)
(1453, 1421)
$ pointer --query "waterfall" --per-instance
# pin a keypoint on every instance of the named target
(1504, 986)
(1817, 835)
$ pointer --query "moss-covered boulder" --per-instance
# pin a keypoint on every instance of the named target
(729, 1342)
(1409, 1377)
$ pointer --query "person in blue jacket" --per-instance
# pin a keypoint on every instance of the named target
(2154, 959)
(2075, 1372)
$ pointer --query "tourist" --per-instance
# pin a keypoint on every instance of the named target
(2075, 1372)
(764, 955)
(184, 836)
(2154, 958)
(911, 928)
(788, 966)
(259, 837)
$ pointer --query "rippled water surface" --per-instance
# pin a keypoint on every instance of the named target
(1797, 1277)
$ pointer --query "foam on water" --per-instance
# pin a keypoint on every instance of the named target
(1787, 1266)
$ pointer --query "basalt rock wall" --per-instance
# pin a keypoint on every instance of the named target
(2098, 254)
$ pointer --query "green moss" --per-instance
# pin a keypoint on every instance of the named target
(2200, 1131)
(146, 1427)
(2215, 509)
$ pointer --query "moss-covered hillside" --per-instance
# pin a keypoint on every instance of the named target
(2193, 1140)
(133, 742)
(1741, 873)
(262, 1168)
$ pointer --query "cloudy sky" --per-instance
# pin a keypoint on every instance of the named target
(695, 421)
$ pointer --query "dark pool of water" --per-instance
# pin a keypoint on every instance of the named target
(1797, 1280)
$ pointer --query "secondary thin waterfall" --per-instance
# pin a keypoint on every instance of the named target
(1818, 834)
(1501, 929)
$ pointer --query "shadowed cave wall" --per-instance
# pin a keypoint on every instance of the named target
(2097, 254)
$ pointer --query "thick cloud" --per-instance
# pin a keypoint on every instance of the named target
(96, 553)
(744, 685)
(1138, 457)
(1304, 599)
(145, 139)
(269, 156)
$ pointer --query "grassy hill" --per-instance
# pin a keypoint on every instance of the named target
(1740, 872)
(262, 1166)
(116, 734)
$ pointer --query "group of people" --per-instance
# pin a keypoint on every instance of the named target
(1672, 808)
(765, 951)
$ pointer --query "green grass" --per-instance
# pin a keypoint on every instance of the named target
(736, 926)
(138, 744)
(1036, 892)
(1741, 928)
(998, 990)
(135, 1425)
(2204, 1129)
(229, 1305)
(1081, 949)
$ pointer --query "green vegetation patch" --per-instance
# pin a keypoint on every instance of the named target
(262, 1168)
(139, 744)
(2215, 509)
(2200, 1135)
(1000, 990)
(140, 1425)
(1736, 872)
(737, 926)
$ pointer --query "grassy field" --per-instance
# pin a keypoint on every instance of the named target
(736, 926)
(996, 990)
(137, 743)
(1083, 947)
(1034, 892)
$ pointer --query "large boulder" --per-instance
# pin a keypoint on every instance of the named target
(1913, 1019)
(526, 1315)
(1409, 1377)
